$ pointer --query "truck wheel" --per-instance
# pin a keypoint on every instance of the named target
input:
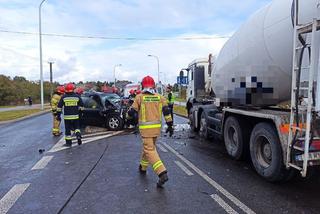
(203, 130)
(233, 138)
(114, 123)
(266, 153)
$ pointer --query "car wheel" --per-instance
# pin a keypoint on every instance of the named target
(266, 153)
(114, 123)
(233, 138)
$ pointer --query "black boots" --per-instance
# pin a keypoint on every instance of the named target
(163, 177)
(78, 135)
(142, 172)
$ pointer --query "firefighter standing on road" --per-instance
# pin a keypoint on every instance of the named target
(54, 105)
(171, 102)
(72, 106)
(150, 107)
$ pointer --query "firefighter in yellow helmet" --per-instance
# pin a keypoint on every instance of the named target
(150, 107)
(54, 105)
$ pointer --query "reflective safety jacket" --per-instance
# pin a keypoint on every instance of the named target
(171, 100)
(150, 107)
(54, 103)
(71, 104)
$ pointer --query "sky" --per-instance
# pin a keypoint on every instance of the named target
(158, 27)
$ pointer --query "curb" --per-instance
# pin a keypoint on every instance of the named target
(26, 117)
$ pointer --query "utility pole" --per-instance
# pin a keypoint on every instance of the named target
(51, 84)
(41, 67)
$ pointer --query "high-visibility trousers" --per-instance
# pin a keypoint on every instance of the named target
(71, 125)
(150, 156)
(56, 125)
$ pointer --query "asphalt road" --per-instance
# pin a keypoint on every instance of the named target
(101, 176)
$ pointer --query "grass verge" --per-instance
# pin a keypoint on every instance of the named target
(7, 106)
(181, 110)
(11, 115)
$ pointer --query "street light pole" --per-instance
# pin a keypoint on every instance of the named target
(41, 66)
(114, 73)
(51, 86)
(158, 65)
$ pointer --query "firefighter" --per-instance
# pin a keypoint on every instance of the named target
(72, 106)
(54, 105)
(149, 107)
(171, 99)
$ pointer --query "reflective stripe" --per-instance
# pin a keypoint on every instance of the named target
(168, 118)
(143, 112)
(153, 126)
(77, 131)
(71, 117)
(157, 165)
(160, 112)
(59, 109)
(68, 137)
(151, 98)
(144, 163)
(55, 130)
(71, 98)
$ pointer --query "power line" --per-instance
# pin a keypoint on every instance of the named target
(117, 38)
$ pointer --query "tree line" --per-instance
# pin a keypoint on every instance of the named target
(14, 90)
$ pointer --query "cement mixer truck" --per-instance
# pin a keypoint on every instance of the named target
(264, 99)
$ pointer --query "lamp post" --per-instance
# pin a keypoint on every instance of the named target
(158, 65)
(41, 66)
(51, 77)
(114, 73)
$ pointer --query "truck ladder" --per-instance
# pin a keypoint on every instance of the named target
(302, 132)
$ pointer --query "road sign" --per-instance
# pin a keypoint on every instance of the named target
(182, 80)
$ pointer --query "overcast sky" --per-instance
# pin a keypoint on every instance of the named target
(83, 59)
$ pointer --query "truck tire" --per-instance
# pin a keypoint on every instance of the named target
(233, 138)
(203, 130)
(114, 123)
(266, 153)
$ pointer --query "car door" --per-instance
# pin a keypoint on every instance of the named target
(92, 112)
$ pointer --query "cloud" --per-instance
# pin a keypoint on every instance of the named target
(93, 59)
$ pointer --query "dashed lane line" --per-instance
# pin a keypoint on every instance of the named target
(162, 148)
(42, 163)
(213, 183)
(223, 204)
(183, 168)
(12, 196)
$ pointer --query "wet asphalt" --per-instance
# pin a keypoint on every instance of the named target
(102, 177)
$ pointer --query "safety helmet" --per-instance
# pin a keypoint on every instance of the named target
(60, 89)
(138, 92)
(69, 87)
(131, 91)
(79, 90)
(148, 82)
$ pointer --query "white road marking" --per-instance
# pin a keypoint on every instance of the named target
(59, 146)
(212, 182)
(223, 204)
(42, 163)
(183, 168)
(12, 196)
(161, 148)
